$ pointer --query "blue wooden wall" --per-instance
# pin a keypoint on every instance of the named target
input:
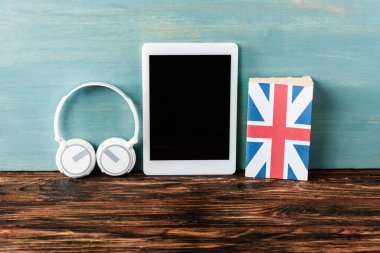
(48, 47)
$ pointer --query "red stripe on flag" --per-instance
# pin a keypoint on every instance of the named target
(279, 125)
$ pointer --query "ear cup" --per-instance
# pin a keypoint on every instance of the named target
(76, 158)
(115, 156)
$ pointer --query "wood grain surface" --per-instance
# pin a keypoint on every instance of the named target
(48, 47)
(336, 211)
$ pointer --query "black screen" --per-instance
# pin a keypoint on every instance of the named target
(189, 107)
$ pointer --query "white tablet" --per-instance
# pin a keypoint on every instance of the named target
(189, 108)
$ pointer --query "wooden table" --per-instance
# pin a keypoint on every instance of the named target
(337, 210)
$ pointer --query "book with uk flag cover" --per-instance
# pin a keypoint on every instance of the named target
(278, 127)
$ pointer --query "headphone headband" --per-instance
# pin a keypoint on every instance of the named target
(57, 132)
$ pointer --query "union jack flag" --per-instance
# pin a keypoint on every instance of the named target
(278, 128)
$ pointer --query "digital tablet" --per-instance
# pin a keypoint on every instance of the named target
(189, 108)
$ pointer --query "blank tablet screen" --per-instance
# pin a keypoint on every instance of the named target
(189, 99)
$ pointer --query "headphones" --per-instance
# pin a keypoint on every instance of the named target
(76, 157)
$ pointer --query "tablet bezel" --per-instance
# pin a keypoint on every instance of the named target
(189, 167)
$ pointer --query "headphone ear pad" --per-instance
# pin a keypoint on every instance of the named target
(76, 158)
(115, 156)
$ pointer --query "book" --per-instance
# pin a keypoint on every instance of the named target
(278, 127)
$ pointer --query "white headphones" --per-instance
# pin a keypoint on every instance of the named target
(76, 157)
